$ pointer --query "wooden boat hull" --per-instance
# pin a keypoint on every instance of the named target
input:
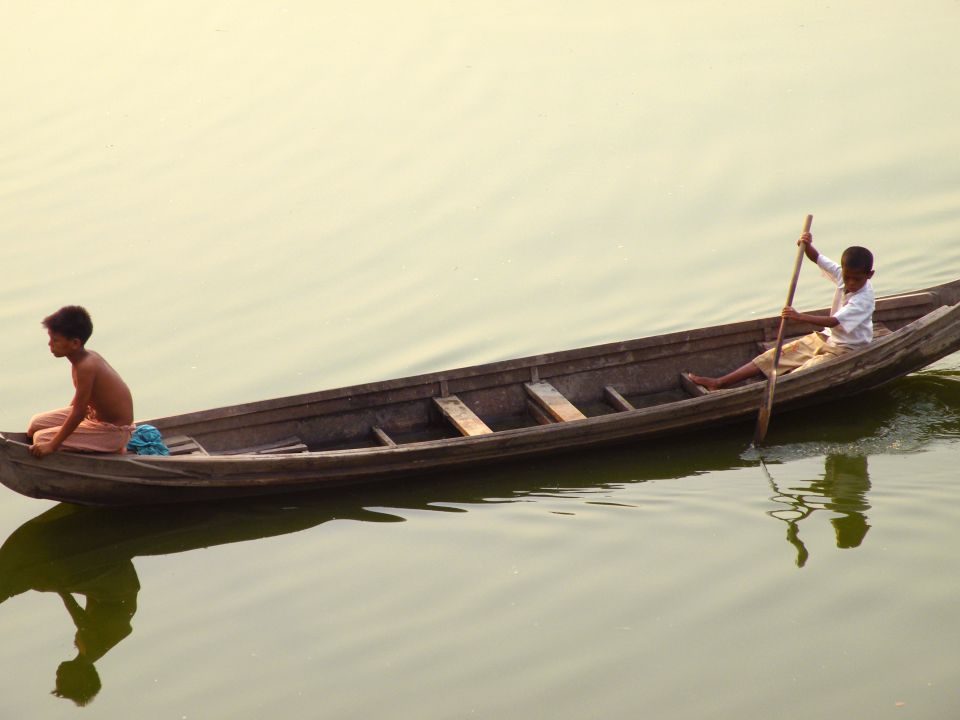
(401, 427)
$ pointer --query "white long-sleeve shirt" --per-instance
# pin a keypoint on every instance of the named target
(853, 311)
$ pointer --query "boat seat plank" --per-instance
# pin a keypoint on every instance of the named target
(291, 444)
(183, 445)
(382, 436)
(460, 416)
(551, 400)
(616, 400)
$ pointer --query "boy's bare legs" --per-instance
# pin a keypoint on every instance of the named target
(741, 373)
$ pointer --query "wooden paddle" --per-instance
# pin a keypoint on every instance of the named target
(766, 405)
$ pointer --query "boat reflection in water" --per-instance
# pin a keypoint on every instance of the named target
(88, 553)
(842, 490)
(85, 555)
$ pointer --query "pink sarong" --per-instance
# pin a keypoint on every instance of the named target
(91, 435)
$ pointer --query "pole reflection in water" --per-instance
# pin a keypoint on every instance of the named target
(905, 416)
(842, 490)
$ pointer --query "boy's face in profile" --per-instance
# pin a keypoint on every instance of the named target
(854, 279)
(61, 346)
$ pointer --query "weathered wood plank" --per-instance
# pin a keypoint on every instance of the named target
(539, 415)
(551, 400)
(382, 436)
(183, 445)
(460, 416)
(905, 301)
(292, 444)
(692, 389)
(616, 400)
(285, 450)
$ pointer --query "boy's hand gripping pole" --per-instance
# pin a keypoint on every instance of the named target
(766, 404)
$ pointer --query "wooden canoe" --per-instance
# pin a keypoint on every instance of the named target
(605, 394)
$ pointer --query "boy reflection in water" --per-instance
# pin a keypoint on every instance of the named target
(843, 490)
(846, 481)
(85, 556)
(111, 601)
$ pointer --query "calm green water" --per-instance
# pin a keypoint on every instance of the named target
(257, 199)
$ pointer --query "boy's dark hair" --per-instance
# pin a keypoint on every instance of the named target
(72, 321)
(857, 258)
(78, 680)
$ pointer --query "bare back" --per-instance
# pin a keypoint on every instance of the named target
(109, 396)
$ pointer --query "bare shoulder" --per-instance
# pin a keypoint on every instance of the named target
(110, 396)
(94, 365)
(92, 362)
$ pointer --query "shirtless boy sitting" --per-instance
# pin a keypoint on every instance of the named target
(100, 417)
(848, 327)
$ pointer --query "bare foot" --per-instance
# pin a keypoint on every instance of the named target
(709, 383)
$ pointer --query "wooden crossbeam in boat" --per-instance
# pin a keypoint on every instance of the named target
(460, 416)
(183, 445)
(551, 400)
(693, 390)
(298, 447)
(292, 444)
(539, 415)
(382, 437)
(616, 400)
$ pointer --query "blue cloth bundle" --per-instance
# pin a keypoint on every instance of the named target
(147, 440)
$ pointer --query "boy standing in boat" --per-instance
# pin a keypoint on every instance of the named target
(100, 417)
(849, 326)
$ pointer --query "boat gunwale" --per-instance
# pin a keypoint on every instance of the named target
(812, 376)
(760, 326)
